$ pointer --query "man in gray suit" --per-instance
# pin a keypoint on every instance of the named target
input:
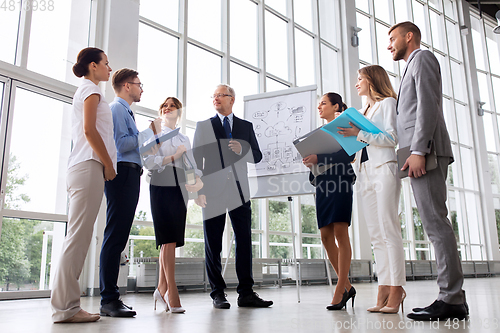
(421, 126)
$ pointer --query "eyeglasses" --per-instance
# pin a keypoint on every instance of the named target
(220, 96)
(140, 84)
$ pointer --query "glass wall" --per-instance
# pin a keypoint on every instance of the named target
(38, 46)
(486, 49)
(35, 202)
(256, 46)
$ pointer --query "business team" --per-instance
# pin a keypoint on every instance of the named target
(222, 147)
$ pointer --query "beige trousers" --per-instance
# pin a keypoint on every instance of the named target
(85, 182)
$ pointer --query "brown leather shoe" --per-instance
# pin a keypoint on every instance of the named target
(81, 316)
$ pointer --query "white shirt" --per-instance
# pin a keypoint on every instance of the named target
(104, 124)
(229, 118)
(168, 148)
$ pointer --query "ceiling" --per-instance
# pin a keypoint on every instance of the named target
(489, 7)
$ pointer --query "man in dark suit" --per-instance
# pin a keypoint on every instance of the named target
(222, 147)
(421, 126)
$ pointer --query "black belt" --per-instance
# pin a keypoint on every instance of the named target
(132, 165)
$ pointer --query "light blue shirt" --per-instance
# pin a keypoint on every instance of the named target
(126, 135)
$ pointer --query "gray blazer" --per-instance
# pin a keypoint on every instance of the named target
(420, 120)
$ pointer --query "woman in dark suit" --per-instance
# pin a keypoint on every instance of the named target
(334, 204)
(168, 195)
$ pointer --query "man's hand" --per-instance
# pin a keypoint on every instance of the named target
(310, 160)
(201, 201)
(156, 125)
(196, 186)
(235, 146)
(416, 166)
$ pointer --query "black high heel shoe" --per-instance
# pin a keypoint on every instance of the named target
(341, 304)
(351, 294)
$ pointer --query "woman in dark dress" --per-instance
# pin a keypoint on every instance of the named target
(168, 195)
(334, 204)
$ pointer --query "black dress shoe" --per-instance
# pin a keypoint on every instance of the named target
(253, 301)
(440, 310)
(220, 301)
(427, 307)
(116, 308)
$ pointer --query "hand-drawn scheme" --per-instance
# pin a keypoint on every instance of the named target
(277, 122)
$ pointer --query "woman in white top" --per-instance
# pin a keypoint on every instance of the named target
(168, 194)
(91, 162)
(379, 186)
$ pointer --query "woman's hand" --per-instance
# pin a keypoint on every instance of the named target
(310, 160)
(109, 173)
(196, 186)
(201, 201)
(337, 114)
(180, 150)
(155, 125)
(348, 131)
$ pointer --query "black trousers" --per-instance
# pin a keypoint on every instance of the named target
(241, 220)
(122, 196)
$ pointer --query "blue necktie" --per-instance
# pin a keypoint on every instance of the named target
(227, 127)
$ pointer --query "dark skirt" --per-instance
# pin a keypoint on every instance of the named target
(168, 208)
(333, 199)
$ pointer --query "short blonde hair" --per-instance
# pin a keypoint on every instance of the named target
(230, 89)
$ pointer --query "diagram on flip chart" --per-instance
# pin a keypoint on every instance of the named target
(277, 122)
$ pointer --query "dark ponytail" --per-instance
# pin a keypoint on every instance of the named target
(85, 58)
(336, 99)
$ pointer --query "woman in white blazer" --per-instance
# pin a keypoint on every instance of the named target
(379, 186)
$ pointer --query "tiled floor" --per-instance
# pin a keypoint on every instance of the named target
(286, 315)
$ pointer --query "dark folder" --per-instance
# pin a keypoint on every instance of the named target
(404, 153)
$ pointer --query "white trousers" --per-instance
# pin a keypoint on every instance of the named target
(85, 183)
(380, 189)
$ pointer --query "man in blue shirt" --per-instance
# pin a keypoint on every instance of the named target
(122, 193)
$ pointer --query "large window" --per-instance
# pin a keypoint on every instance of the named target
(486, 50)
(38, 143)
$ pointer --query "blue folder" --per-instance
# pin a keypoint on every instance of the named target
(350, 144)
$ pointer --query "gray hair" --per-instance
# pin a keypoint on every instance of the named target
(230, 90)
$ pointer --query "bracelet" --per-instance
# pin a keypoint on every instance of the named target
(172, 158)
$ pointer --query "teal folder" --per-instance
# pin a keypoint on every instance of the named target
(351, 115)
